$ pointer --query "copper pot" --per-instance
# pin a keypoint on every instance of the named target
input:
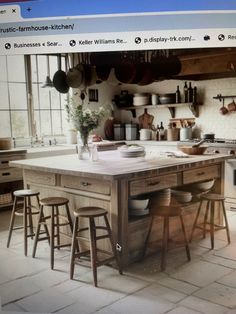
(232, 106)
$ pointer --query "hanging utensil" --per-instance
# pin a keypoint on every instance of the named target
(59, 79)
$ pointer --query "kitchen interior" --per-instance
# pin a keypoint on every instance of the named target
(157, 103)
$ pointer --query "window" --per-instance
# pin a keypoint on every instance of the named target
(26, 107)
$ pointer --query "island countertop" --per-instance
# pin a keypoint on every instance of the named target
(112, 166)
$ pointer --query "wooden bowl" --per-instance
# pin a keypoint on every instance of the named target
(193, 150)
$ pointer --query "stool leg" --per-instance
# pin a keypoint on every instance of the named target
(185, 237)
(29, 213)
(12, 221)
(164, 243)
(212, 221)
(40, 219)
(195, 221)
(52, 238)
(148, 235)
(73, 247)
(58, 227)
(226, 221)
(205, 219)
(93, 249)
(113, 244)
(69, 217)
(25, 225)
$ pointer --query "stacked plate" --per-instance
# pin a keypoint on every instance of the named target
(131, 151)
(160, 198)
(141, 99)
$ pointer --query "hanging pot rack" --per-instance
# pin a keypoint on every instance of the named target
(221, 97)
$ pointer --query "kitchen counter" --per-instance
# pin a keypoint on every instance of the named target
(112, 180)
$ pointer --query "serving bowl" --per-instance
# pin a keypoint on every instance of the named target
(189, 150)
(138, 204)
(181, 196)
(203, 186)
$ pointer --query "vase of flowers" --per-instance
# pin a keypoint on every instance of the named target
(84, 120)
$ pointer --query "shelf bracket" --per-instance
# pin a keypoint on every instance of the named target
(172, 111)
(194, 110)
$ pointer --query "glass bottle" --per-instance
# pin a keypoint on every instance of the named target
(177, 95)
(162, 132)
(185, 92)
(190, 93)
(158, 133)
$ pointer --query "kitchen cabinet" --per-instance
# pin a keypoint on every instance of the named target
(10, 178)
(193, 108)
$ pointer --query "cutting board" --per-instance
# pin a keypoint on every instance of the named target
(145, 120)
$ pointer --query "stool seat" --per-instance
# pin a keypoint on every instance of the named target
(213, 197)
(23, 193)
(57, 220)
(26, 213)
(88, 212)
(167, 211)
(54, 201)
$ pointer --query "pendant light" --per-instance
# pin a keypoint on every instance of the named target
(48, 81)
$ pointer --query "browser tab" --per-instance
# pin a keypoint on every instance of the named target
(10, 13)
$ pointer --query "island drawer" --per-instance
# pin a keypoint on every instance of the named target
(201, 174)
(40, 177)
(86, 184)
(11, 174)
(152, 184)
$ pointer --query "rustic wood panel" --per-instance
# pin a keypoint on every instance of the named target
(201, 174)
(86, 184)
(152, 184)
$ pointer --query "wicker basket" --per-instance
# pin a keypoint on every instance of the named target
(5, 198)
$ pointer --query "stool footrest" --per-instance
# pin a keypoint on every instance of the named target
(61, 245)
(105, 261)
(102, 237)
(44, 238)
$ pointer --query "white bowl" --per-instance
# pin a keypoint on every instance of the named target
(135, 204)
(181, 196)
(203, 186)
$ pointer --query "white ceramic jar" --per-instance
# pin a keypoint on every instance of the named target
(185, 134)
(145, 134)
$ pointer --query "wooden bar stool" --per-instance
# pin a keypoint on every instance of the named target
(212, 199)
(54, 203)
(167, 212)
(26, 213)
(91, 213)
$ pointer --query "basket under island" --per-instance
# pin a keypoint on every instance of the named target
(112, 180)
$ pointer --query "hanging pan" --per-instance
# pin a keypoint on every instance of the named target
(75, 75)
(59, 79)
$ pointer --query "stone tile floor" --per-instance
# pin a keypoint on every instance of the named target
(207, 284)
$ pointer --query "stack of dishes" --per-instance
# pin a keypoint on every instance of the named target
(160, 198)
(138, 207)
(141, 99)
(181, 196)
(131, 151)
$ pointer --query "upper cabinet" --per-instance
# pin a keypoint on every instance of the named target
(209, 64)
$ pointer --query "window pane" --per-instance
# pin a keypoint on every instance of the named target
(37, 122)
(3, 67)
(44, 98)
(16, 68)
(5, 126)
(4, 96)
(56, 118)
(33, 69)
(20, 123)
(42, 68)
(53, 62)
(55, 99)
(18, 98)
(35, 96)
(45, 123)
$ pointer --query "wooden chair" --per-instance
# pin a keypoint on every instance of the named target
(55, 204)
(212, 199)
(26, 213)
(90, 213)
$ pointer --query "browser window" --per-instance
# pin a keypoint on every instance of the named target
(42, 26)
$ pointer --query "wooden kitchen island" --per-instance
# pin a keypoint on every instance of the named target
(110, 181)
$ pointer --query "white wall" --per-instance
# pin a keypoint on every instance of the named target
(209, 120)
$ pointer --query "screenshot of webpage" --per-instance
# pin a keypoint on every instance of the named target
(51, 26)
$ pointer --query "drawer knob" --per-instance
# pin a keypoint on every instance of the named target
(200, 173)
(154, 183)
(85, 183)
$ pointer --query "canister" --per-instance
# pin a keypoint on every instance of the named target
(119, 132)
(131, 131)
(185, 134)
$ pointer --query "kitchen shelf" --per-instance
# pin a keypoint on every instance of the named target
(193, 108)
